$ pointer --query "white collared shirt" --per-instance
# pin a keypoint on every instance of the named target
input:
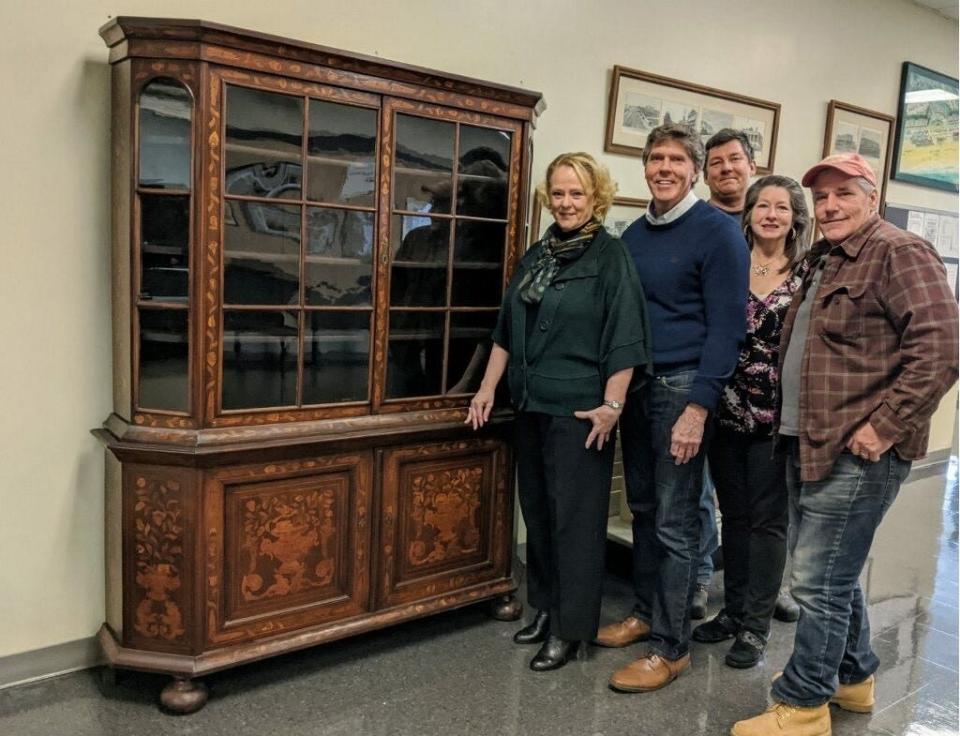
(677, 211)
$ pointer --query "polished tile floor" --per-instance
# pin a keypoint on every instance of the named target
(459, 673)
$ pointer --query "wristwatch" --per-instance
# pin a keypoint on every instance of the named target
(613, 404)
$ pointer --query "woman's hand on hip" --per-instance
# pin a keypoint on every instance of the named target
(604, 420)
(480, 407)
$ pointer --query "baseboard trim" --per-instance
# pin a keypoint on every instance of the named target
(40, 664)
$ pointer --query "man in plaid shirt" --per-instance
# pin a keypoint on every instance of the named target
(869, 347)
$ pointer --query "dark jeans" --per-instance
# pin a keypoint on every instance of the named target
(665, 501)
(750, 474)
(709, 536)
(833, 522)
(564, 496)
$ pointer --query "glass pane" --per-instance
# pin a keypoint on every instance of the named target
(418, 276)
(164, 239)
(165, 113)
(483, 172)
(342, 148)
(469, 349)
(164, 350)
(423, 165)
(336, 357)
(478, 263)
(415, 354)
(339, 258)
(261, 257)
(259, 359)
(263, 143)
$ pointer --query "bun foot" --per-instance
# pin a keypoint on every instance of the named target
(506, 608)
(184, 696)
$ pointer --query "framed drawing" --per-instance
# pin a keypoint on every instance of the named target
(623, 212)
(640, 101)
(926, 145)
(852, 129)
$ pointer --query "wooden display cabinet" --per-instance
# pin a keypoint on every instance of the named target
(309, 251)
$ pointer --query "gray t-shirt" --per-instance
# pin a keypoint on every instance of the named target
(793, 359)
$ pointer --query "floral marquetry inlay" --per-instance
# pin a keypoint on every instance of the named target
(158, 536)
(444, 515)
(288, 543)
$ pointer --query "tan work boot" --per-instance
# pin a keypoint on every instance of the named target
(781, 719)
(651, 672)
(856, 697)
(624, 632)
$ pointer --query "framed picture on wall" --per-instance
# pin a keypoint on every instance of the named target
(926, 142)
(623, 212)
(640, 101)
(852, 129)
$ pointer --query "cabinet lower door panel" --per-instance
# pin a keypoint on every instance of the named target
(445, 521)
(287, 545)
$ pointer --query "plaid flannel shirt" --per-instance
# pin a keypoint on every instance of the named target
(882, 344)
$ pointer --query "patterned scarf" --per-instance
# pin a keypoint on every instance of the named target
(554, 252)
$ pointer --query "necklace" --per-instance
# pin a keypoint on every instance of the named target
(762, 269)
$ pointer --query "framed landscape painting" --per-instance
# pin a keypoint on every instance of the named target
(640, 101)
(926, 145)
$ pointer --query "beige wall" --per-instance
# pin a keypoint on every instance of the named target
(55, 199)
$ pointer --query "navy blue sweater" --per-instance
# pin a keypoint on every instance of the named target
(694, 272)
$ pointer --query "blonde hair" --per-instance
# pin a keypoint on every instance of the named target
(594, 177)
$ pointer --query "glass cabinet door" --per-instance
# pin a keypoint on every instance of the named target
(163, 197)
(447, 244)
(299, 221)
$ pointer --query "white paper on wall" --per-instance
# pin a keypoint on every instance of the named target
(915, 223)
(931, 227)
(947, 237)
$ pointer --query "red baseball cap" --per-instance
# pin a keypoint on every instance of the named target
(851, 164)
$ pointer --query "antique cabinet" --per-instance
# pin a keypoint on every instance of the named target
(309, 251)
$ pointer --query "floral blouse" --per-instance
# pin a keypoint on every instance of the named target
(749, 401)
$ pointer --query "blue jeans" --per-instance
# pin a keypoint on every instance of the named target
(832, 524)
(709, 537)
(665, 501)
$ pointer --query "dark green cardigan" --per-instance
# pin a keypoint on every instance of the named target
(591, 323)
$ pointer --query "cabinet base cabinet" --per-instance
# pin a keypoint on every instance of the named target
(230, 564)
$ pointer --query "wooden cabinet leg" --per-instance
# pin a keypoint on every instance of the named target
(184, 696)
(506, 608)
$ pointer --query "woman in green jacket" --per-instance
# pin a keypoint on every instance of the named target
(571, 334)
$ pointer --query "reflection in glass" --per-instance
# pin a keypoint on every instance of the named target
(415, 354)
(418, 276)
(342, 147)
(478, 263)
(482, 183)
(423, 165)
(164, 238)
(164, 351)
(165, 112)
(262, 254)
(339, 258)
(264, 138)
(469, 348)
(336, 357)
(259, 359)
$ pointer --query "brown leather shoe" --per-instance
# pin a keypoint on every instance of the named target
(624, 632)
(651, 672)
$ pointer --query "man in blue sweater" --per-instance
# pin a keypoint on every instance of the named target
(692, 261)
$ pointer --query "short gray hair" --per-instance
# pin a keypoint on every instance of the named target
(682, 134)
(865, 185)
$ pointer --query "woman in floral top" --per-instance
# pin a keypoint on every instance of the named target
(747, 468)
